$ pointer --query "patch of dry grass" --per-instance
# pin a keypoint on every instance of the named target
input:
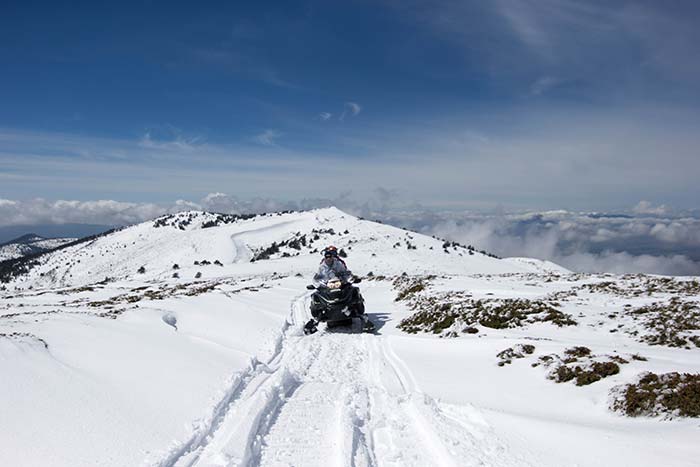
(670, 395)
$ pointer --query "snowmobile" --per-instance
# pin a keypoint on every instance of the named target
(337, 304)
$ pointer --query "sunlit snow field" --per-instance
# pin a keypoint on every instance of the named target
(205, 364)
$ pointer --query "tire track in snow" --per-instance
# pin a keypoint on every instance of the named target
(323, 422)
(399, 437)
(243, 253)
(451, 437)
(188, 452)
(335, 398)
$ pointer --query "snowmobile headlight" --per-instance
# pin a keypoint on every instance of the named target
(334, 285)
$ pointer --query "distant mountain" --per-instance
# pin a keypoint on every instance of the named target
(25, 239)
(293, 241)
(30, 244)
(13, 232)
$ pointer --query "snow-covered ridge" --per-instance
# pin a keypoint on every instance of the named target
(30, 244)
(195, 240)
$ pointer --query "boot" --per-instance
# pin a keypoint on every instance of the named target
(367, 325)
(310, 327)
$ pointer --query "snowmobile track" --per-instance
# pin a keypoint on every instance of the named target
(334, 399)
(187, 453)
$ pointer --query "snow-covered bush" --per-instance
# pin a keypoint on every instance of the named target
(453, 313)
(671, 323)
(580, 365)
(511, 353)
(670, 395)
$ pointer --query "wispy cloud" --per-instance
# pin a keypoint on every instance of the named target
(354, 107)
(268, 137)
(540, 158)
(325, 116)
(167, 137)
(524, 22)
(645, 207)
(543, 84)
(350, 108)
(593, 45)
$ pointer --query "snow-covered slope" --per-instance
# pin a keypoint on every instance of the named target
(28, 245)
(188, 237)
(187, 364)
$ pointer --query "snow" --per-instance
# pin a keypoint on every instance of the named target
(148, 369)
(13, 250)
(30, 245)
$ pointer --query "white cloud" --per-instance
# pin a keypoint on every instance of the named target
(625, 263)
(108, 212)
(268, 137)
(325, 116)
(645, 207)
(581, 242)
(221, 202)
(167, 137)
(353, 108)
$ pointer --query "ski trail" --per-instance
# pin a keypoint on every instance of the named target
(187, 453)
(400, 437)
(450, 436)
(243, 253)
(336, 399)
(285, 444)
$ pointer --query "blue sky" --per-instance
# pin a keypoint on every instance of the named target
(543, 104)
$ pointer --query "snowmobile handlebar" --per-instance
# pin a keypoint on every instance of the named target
(353, 280)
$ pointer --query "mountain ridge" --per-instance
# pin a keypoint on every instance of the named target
(286, 238)
(30, 245)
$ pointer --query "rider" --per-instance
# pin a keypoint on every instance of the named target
(332, 267)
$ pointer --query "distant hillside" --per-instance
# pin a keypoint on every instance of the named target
(13, 232)
(29, 245)
(292, 241)
(24, 239)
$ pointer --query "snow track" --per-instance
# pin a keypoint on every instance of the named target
(334, 399)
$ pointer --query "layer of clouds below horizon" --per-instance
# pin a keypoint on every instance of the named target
(585, 243)
(647, 239)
